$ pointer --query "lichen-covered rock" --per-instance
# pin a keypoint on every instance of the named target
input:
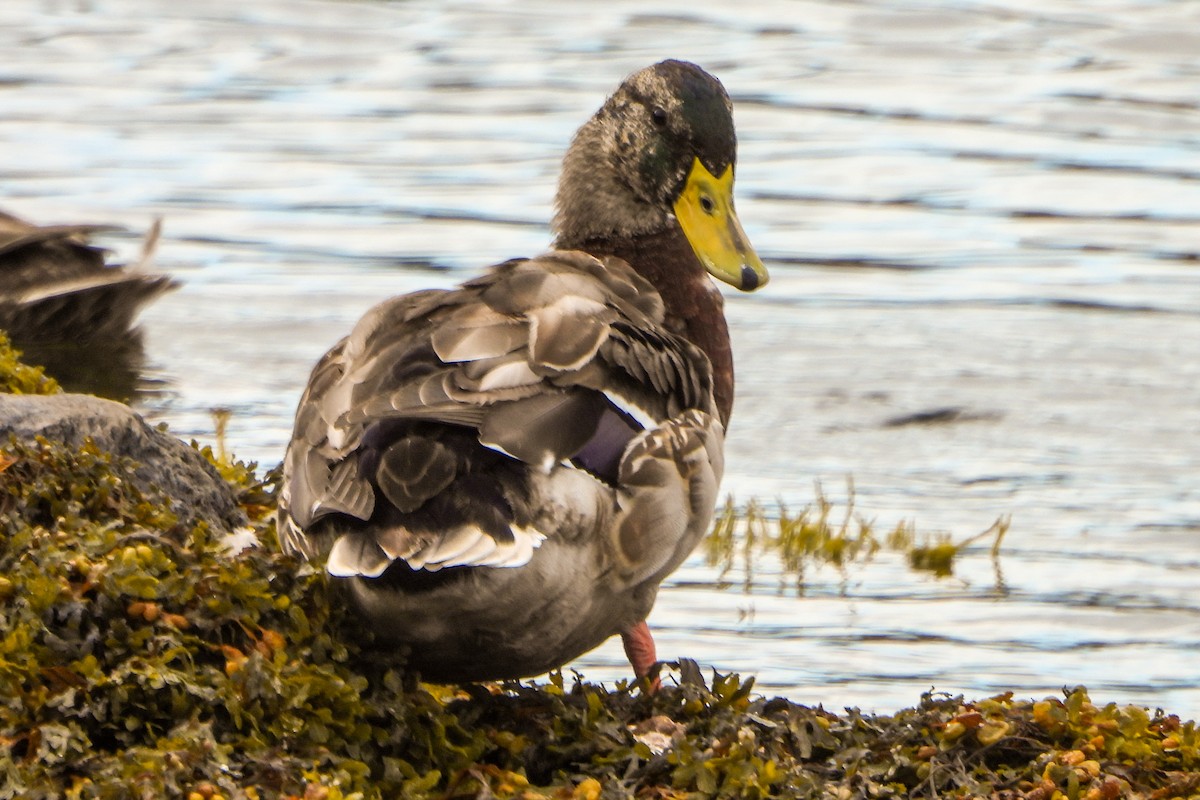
(163, 465)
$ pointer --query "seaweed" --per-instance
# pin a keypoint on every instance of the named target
(742, 536)
(139, 659)
(17, 377)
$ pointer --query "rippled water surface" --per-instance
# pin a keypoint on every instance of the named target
(983, 226)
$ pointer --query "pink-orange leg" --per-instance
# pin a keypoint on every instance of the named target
(639, 648)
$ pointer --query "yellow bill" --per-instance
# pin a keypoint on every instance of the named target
(705, 212)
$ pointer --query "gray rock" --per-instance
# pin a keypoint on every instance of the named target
(165, 465)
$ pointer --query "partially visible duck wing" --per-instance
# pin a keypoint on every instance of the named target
(668, 486)
(422, 436)
(56, 287)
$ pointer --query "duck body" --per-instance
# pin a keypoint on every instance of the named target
(465, 448)
(502, 474)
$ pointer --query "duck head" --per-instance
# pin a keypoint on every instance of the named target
(659, 156)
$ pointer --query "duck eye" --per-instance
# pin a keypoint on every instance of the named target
(659, 116)
(707, 204)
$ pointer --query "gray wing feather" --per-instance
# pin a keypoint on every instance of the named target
(530, 355)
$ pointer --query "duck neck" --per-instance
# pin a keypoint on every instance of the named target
(694, 306)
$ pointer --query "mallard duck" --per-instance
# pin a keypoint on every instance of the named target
(55, 287)
(503, 473)
(71, 311)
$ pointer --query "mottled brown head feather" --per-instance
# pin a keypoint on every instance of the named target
(628, 163)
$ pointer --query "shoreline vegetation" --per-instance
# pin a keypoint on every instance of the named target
(144, 657)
